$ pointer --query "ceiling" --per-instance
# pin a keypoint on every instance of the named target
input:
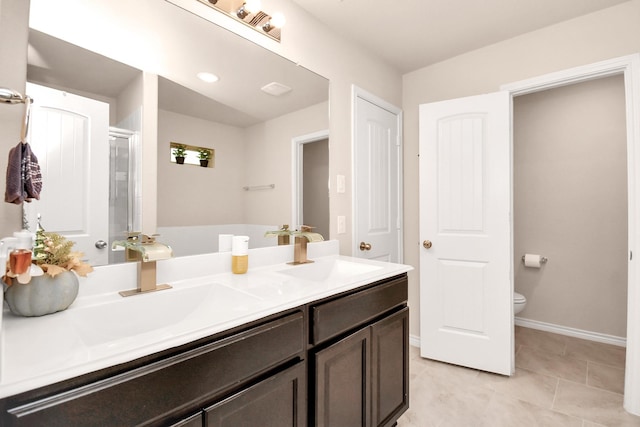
(184, 49)
(411, 34)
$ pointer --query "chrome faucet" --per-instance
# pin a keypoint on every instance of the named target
(146, 251)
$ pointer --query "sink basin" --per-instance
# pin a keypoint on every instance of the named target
(329, 270)
(159, 314)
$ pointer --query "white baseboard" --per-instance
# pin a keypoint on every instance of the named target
(571, 332)
(414, 340)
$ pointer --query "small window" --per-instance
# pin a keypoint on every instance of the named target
(191, 155)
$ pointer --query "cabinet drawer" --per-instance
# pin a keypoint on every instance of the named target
(332, 318)
(278, 401)
(149, 395)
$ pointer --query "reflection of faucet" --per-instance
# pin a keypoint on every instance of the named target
(283, 234)
(145, 249)
(300, 247)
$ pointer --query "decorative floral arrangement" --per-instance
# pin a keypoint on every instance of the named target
(52, 253)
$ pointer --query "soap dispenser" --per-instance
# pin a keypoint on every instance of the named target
(240, 254)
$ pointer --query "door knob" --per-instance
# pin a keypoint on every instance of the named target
(365, 246)
(427, 244)
(101, 244)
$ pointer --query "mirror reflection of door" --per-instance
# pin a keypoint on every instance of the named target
(315, 186)
(68, 134)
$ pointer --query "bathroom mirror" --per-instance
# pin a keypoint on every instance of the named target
(250, 130)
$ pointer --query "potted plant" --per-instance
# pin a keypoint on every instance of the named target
(204, 154)
(53, 284)
(179, 152)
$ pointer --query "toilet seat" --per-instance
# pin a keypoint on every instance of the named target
(518, 298)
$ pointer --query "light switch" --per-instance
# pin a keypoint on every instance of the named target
(342, 224)
(340, 185)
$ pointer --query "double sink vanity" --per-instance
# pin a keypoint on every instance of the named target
(320, 344)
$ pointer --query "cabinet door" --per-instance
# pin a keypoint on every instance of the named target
(278, 401)
(390, 368)
(342, 382)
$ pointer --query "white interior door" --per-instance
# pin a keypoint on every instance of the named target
(69, 136)
(466, 301)
(377, 185)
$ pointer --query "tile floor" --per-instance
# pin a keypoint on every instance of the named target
(559, 381)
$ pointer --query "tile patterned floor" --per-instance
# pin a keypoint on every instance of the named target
(559, 381)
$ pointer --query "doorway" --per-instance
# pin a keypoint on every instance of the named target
(629, 67)
(310, 189)
(570, 205)
(315, 186)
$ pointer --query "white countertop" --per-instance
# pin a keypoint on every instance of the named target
(103, 329)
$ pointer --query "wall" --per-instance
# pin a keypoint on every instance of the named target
(570, 204)
(268, 160)
(192, 195)
(257, 155)
(602, 35)
(13, 71)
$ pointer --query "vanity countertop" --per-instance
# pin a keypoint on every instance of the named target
(102, 329)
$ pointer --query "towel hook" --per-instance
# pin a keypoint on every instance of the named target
(25, 123)
(10, 96)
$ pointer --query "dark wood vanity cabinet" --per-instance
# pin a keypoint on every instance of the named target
(171, 389)
(340, 361)
(361, 378)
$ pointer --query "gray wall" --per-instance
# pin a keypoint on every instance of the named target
(570, 204)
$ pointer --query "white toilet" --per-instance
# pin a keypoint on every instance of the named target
(519, 301)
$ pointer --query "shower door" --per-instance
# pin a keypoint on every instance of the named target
(122, 144)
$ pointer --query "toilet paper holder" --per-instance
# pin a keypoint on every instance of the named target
(543, 259)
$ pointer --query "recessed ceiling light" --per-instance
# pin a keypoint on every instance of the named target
(275, 89)
(208, 77)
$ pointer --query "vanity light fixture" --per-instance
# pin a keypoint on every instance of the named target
(249, 13)
(277, 21)
(248, 7)
(208, 77)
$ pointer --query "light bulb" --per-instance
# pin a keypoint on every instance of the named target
(278, 20)
(251, 6)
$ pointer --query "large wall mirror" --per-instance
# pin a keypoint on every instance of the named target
(109, 57)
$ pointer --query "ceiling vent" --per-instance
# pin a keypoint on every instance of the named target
(275, 89)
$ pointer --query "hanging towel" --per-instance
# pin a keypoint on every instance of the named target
(31, 176)
(15, 189)
(24, 179)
